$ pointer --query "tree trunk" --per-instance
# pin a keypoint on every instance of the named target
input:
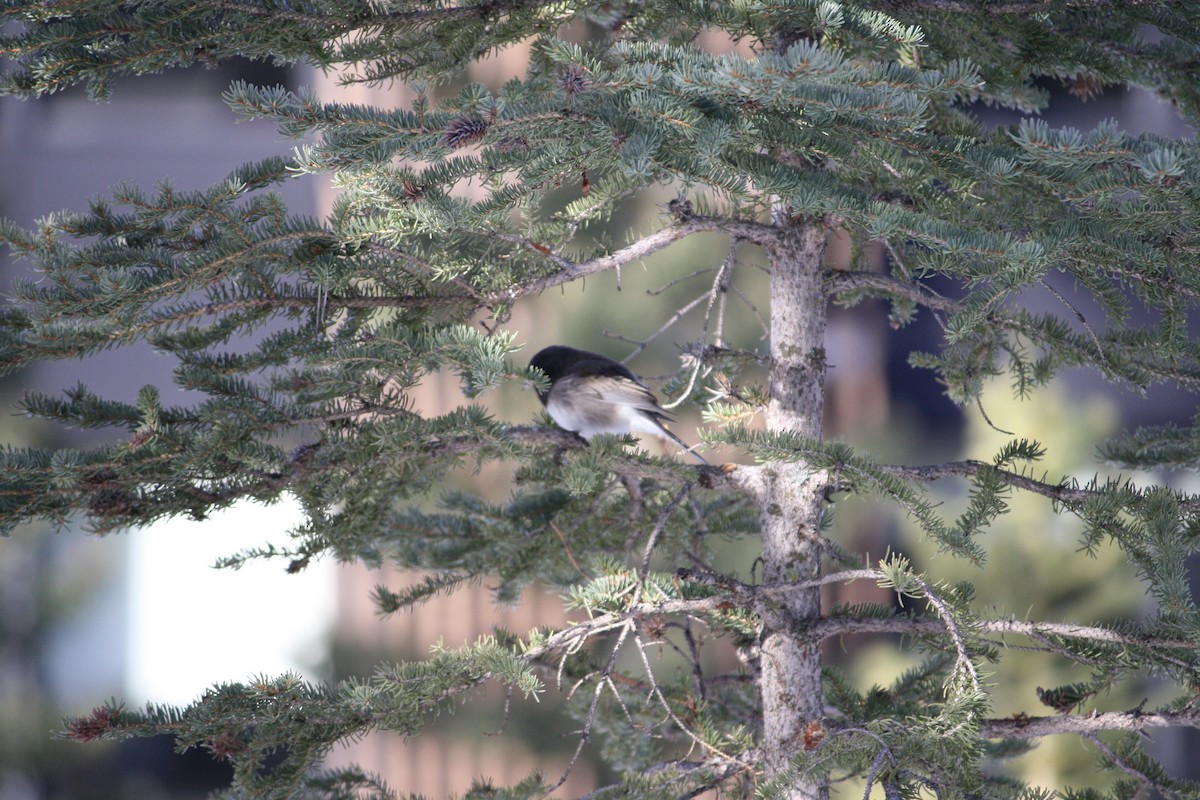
(791, 502)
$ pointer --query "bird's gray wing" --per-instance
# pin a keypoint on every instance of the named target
(623, 392)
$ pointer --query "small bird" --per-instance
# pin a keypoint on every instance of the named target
(591, 394)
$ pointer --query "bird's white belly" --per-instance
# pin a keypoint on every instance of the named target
(592, 419)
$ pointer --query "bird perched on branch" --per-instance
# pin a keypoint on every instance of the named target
(592, 394)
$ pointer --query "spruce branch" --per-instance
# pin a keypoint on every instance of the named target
(963, 660)
(846, 281)
(571, 637)
(1147, 784)
(1006, 8)
(845, 625)
(1027, 727)
(1059, 492)
(435, 13)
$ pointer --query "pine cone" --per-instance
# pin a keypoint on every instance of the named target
(574, 80)
(463, 131)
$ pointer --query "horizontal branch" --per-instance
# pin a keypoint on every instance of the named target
(1009, 8)
(568, 270)
(1018, 727)
(876, 284)
(840, 626)
(337, 301)
(738, 589)
(571, 637)
(1026, 727)
(342, 23)
(1058, 492)
(709, 476)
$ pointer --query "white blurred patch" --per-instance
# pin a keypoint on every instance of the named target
(191, 625)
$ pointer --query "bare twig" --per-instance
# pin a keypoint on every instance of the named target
(718, 771)
(761, 590)
(716, 296)
(585, 733)
(694, 656)
(659, 525)
(753, 310)
(641, 648)
(508, 693)
(1078, 315)
(987, 419)
(567, 548)
(642, 344)
(612, 687)
(721, 292)
(676, 281)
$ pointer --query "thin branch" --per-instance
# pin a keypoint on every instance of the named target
(590, 720)
(1148, 785)
(508, 693)
(719, 770)
(571, 636)
(659, 525)
(694, 656)
(641, 648)
(681, 279)
(1042, 632)
(753, 310)
(987, 419)
(876, 284)
(742, 590)
(718, 292)
(567, 548)
(1078, 315)
(642, 344)
(568, 270)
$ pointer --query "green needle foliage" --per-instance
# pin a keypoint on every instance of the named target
(302, 342)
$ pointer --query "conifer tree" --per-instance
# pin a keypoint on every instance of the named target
(849, 116)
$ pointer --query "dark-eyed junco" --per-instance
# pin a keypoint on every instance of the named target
(590, 394)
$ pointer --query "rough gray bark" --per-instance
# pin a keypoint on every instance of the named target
(790, 502)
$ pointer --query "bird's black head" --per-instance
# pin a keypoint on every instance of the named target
(554, 361)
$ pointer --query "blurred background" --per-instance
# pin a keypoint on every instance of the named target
(143, 616)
